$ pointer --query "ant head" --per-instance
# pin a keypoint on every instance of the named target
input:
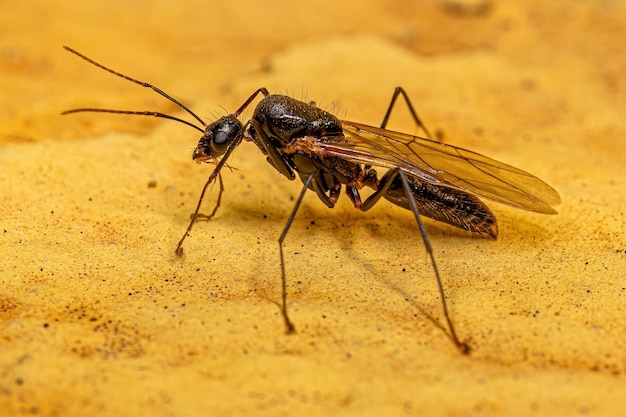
(217, 138)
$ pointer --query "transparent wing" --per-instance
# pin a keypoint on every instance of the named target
(443, 165)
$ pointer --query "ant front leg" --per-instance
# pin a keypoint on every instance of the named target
(275, 159)
(215, 174)
(201, 216)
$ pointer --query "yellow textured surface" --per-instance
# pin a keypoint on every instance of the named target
(99, 317)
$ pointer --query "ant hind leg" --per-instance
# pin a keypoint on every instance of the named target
(400, 91)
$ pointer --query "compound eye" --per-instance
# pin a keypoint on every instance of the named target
(220, 142)
(221, 134)
(220, 138)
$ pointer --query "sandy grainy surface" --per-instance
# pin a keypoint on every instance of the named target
(99, 317)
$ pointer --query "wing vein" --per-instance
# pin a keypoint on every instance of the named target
(442, 164)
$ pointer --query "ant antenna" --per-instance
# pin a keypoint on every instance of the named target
(141, 83)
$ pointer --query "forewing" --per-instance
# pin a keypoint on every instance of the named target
(443, 165)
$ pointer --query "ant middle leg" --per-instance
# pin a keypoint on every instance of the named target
(288, 324)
